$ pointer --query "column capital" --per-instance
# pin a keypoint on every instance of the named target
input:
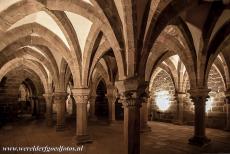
(180, 94)
(80, 91)
(227, 96)
(227, 93)
(60, 96)
(199, 92)
(199, 95)
(81, 95)
(48, 97)
(130, 99)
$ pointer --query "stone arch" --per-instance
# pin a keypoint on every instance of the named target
(219, 43)
(92, 44)
(29, 29)
(81, 8)
(17, 62)
(29, 53)
(101, 51)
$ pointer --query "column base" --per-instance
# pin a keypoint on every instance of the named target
(227, 129)
(145, 129)
(49, 123)
(83, 139)
(115, 122)
(60, 128)
(199, 141)
(94, 118)
(178, 122)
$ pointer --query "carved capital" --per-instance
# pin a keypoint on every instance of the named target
(130, 99)
(60, 96)
(81, 95)
(81, 98)
(48, 97)
(199, 95)
(227, 96)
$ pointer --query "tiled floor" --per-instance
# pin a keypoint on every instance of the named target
(108, 139)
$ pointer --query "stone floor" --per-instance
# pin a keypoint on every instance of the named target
(107, 139)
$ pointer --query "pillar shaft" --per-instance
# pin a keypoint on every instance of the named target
(180, 107)
(92, 108)
(227, 100)
(81, 97)
(199, 98)
(131, 124)
(111, 101)
(59, 99)
(131, 92)
(49, 109)
(144, 117)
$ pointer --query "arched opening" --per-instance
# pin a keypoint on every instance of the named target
(101, 102)
(164, 105)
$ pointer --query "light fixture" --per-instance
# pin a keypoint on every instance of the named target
(162, 100)
(208, 106)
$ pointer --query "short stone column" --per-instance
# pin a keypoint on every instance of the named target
(81, 97)
(199, 98)
(111, 101)
(92, 115)
(227, 100)
(60, 101)
(144, 127)
(129, 97)
(34, 105)
(49, 108)
(180, 107)
(112, 95)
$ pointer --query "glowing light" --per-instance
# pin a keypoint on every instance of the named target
(208, 106)
(162, 100)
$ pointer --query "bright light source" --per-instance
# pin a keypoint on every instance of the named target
(208, 104)
(162, 100)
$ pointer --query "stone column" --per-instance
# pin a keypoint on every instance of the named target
(81, 97)
(227, 100)
(144, 117)
(59, 100)
(180, 107)
(111, 101)
(49, 108)
(144, 108)
(33, 104)
(199, 98)
(129, 97)
(112, 96)
(92, 115)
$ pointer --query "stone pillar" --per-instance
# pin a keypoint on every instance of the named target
(144, 117)
(227, 100)
(129, 97)
(49, 108)
(180, 107)
(112, 96)
(92, 115)
(33, 105)
(81, 97)
(59, 100)
(111, 101)
(199, 98)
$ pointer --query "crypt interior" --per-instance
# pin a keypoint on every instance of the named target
(117, 76)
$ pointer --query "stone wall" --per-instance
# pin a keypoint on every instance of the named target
(215, 106)
(163, 87)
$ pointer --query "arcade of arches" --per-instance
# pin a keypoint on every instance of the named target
(121, 62)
